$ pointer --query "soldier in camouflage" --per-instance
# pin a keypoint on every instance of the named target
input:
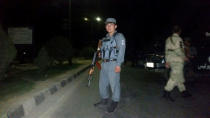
(175, 58)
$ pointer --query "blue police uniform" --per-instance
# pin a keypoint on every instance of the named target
(112, 52)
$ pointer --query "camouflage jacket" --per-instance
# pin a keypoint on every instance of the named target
(174, 49)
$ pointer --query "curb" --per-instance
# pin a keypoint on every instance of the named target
(25, 108)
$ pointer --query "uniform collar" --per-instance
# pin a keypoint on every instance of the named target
(175, 34)
(107, 35)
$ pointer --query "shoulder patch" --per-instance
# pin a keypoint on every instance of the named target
(123, 42)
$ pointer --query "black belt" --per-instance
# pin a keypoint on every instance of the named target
(108, 60)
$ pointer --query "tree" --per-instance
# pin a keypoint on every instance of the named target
(43, 61)
(60, 49)
(7, 52)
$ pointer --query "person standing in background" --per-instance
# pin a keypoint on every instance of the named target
(175, 58)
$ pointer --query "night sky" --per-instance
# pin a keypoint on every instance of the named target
(146, 22)
(143, 22)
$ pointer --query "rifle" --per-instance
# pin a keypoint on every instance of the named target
(96, 56)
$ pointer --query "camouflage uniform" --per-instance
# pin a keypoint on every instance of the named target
(174, 51)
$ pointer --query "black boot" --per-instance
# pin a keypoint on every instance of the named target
(101, 103)
(112, 107)
(167, 96)
(186, 94)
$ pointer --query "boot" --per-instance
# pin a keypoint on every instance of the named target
(186, 94)
(167, 96)
(101, 103)
(112, 107)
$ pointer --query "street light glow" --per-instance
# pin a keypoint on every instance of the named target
(86, 19)
(207, 34)
(98, 19)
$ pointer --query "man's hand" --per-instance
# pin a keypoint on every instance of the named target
(91, 71)
(117, 69)
(167, 65)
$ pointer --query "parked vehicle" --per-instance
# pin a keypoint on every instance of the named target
(154, 61)
(200, 64)
(203, 64)
(203, 58)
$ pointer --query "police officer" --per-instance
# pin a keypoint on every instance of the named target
(175, 57)
(112, 54)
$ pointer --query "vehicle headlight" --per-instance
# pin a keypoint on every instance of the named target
(150, 64)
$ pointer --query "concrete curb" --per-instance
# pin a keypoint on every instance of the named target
(25, 108)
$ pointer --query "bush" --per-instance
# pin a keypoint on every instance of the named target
(43, 61)
(60, 49)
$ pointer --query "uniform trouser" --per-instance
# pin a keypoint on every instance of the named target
(109, 78)
(176, 77)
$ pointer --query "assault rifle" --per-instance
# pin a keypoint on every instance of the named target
(94, 63)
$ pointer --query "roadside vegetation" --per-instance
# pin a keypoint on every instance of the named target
(19, 81)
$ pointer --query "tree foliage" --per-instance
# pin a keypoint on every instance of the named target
(7, 52)
(60, 49)
(43, 60)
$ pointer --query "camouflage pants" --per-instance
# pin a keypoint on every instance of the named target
(176, 77)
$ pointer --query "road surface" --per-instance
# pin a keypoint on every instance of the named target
(140, 98)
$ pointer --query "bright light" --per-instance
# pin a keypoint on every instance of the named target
(150, 64)
(86, 19)
(207, 34)
(98, 19)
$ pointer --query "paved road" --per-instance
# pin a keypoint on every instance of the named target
(141, 98)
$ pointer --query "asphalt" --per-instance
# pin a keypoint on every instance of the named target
(141, 97)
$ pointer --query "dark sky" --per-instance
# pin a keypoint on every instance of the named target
(149, 21)
(143, 22)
